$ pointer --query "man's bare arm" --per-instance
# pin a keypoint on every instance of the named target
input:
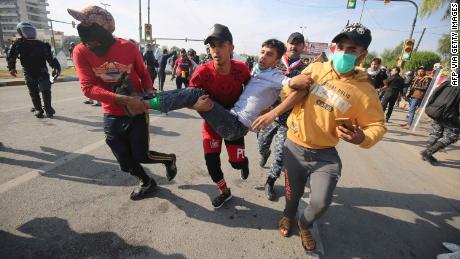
(300, 82)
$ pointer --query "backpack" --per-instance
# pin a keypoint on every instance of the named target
(443, 105)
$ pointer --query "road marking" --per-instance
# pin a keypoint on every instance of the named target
(29, 106)
(59, 162)
(44, 169)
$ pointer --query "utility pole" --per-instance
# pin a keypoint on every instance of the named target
(362, 10)
(52, 36)
(414, 21)
(148, 12)
(419, 40)
(140, 23)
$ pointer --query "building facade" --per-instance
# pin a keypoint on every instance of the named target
(14, 11)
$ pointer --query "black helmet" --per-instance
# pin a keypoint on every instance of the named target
(27, 30)
(72, 44)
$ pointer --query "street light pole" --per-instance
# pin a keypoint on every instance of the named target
(140, 23)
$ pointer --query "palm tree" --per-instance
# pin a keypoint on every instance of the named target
(431, 6)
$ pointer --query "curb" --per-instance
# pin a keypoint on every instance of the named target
(23, 82)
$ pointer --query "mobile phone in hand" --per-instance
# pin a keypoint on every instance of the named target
(345, 122)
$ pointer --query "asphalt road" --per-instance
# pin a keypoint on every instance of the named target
(62, 194)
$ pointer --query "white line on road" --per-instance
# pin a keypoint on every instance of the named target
(61, 161)
(29, 106)
(37, 172)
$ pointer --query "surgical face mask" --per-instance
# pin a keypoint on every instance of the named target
(343, 62)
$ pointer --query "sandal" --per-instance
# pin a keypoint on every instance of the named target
(308, 242)
(284, 225)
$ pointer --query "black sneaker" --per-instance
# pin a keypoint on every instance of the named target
(143, 189)
(221, 199)
(244, 173)
(171, 169)
(38, 114)
(50, 113)
(427, 156)
(270, 189)
(264, 158)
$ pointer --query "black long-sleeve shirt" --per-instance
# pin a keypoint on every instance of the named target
(164, 60)
(33, 55)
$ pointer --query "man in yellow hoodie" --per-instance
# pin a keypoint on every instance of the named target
(340, 90)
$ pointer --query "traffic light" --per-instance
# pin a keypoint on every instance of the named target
(386, 1)
(407, 49)
(351, 4)
(148, 32)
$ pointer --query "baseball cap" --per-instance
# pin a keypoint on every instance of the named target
(220, 32)
(421, 67)
(296, 36)
(356, 32)
(94, 14)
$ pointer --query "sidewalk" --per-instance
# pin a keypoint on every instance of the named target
(21, 81)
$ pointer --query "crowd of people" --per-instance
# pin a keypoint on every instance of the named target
(304, 109)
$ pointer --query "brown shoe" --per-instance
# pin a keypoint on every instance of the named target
(407, 126)
(284, 226)
(308, 242)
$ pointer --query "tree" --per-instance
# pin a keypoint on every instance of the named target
(423, 58)
(390, 56)
(444, 46)
(431, 6)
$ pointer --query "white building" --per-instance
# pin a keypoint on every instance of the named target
(14, 11)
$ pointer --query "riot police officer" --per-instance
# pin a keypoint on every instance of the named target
(34, 54)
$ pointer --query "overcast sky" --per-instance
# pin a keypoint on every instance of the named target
(253, 21)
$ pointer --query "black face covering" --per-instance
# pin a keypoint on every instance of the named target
(95, 32)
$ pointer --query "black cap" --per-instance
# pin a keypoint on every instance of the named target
(220, 32)
(356, 32)
(296, 36)
(183, 51)
(421, 67)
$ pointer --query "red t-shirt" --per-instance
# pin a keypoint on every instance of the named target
(224, 89)
(183, 64)
(97, 75)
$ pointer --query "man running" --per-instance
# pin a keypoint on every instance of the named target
(100, 62)
(339, 91)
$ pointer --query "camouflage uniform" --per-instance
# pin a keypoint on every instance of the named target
(277, 130)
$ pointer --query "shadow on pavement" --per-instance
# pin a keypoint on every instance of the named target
(96, 124)
(236, 213)
(53, 238)
(353, 231)
(86, 168)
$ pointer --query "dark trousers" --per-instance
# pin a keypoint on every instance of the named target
(152, 72)
(161, 78)
(36, 84)
(221, 120)
(180, 81)
(128, 138)
(389, 99)
(446, 133)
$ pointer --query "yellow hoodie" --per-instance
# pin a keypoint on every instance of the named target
(312, 122)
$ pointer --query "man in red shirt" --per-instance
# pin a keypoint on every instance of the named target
(223, 80)
(182, 69)
(100, 61)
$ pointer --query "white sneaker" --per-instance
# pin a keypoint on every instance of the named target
(452, 247)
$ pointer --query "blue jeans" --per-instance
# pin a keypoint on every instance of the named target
(413, 105)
